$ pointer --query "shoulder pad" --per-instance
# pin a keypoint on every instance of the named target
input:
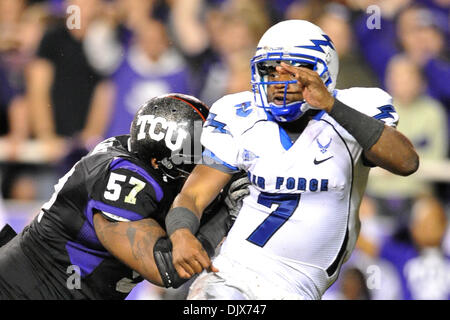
(234, 113)
(373, 102)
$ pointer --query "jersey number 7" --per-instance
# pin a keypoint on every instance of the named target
(285, 203)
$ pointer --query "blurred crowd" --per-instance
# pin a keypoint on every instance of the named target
(73, 72)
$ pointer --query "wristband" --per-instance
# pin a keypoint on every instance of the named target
(180, 217)
(366, 130)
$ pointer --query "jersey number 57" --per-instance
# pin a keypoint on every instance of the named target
(114, 188)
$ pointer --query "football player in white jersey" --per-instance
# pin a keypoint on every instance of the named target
(307, 149)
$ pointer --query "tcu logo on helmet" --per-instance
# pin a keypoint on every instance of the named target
(166, 131)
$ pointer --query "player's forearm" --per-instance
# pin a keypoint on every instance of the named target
(188, 201)
(182, 221)
(132, 243)
(384, 146)
(394, 152)
(201, 188)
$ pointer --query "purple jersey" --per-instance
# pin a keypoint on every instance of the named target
(137, 80)
(424, 275)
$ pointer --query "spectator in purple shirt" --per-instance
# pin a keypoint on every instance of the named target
(418, 257)
(421, 34)
(150, 67)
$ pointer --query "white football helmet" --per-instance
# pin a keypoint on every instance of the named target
(297, 42)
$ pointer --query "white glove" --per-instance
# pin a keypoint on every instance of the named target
(236, 193)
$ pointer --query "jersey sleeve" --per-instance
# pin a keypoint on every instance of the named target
(221, 151)
(126, 192)
(374, 102)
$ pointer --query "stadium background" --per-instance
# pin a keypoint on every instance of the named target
(68, 81)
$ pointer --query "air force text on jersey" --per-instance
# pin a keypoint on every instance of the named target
(291, 183)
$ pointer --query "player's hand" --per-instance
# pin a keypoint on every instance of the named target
(313, 89)
(189, 257)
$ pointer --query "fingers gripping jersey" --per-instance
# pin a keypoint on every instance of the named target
(300, 220)
(62, 237)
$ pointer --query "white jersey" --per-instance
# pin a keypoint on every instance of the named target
(300, 221)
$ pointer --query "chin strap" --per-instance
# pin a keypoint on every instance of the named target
(170, 170)
(289, 112)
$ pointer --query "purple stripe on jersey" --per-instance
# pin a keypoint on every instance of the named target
(85, 258)
(94, 204)
(120, 163)
(87, 234)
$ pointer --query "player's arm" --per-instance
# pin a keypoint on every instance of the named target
(123, 200)
(393, 152)
(132, 242)
(144, 246)
(199, 190)
(382, 145)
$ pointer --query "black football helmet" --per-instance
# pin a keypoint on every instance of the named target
(168, 128)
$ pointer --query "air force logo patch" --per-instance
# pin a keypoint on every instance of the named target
(324, 148)
(248, 156)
